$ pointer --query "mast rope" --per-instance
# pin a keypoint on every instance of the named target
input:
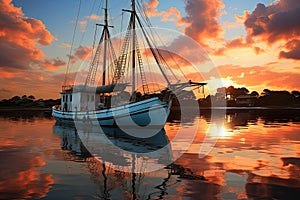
(146, 19)
(151, 38)
(90, 80)
(89, 19)
(72, 44)
(94, 41)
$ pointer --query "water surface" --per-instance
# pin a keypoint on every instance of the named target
(256, 156)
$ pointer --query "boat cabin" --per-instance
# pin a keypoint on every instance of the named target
(79, 99)
(87, 98)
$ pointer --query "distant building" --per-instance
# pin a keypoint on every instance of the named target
(246, 100)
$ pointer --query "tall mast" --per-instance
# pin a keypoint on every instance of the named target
(105, 41)
(133, 14)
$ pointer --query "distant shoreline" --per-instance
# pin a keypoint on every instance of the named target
(253, 108)
(24, 109)
(241, 108)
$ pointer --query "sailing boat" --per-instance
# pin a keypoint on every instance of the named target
(104, 104)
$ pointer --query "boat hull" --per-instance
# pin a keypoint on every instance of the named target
(150, 112)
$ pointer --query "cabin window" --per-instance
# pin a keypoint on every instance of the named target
(66, 98)
(63, 96)
(92, 98)
(88, 98)
(70, 97)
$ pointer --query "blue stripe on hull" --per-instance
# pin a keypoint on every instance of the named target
(120, 116)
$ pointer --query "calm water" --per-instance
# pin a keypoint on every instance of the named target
(256, 156)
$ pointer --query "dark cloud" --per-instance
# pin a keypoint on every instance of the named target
(52, 64)
(293, 50)
(239, 42)
(73, 59)
(276, 22)
(188, 49)
(258, 50)
(83, 51)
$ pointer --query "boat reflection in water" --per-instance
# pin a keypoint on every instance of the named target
(121, 166)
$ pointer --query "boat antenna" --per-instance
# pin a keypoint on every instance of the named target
(105, 40)
(133, 15)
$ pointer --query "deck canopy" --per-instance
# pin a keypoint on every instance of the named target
(100, 89)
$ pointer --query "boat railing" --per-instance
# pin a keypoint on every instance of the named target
(56, 107)
(67, 87)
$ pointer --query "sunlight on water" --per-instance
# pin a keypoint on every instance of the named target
(256, 156)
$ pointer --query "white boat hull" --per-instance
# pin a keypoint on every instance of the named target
(150, 112)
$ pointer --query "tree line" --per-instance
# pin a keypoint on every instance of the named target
(243, 97)
(28, 101)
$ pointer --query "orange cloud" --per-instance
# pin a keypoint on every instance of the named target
(261, 77)
(172, 14)
(94, 17)
(202, 21)
(82, 25)
(41, 85)
(20, 40)
(151, 6)
(65, 45)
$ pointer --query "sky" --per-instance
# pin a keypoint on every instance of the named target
(252, 43)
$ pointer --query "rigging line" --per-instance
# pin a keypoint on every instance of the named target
(111, 60)
(141, 67)
(148, 22)
(150, 25)
(108, 65)
(143, 11)
(71, 49)
(112, 19)
(113, 55)
(88, 22)
(121, 31)
(153, 51)
(94, 66)
(148, 64)
(172, 57)
(111, 45)
(154, 33)
(121, 62)
(95, 35)
(162, 59)
(140, 8)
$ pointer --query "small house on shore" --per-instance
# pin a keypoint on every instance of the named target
(246, 100)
